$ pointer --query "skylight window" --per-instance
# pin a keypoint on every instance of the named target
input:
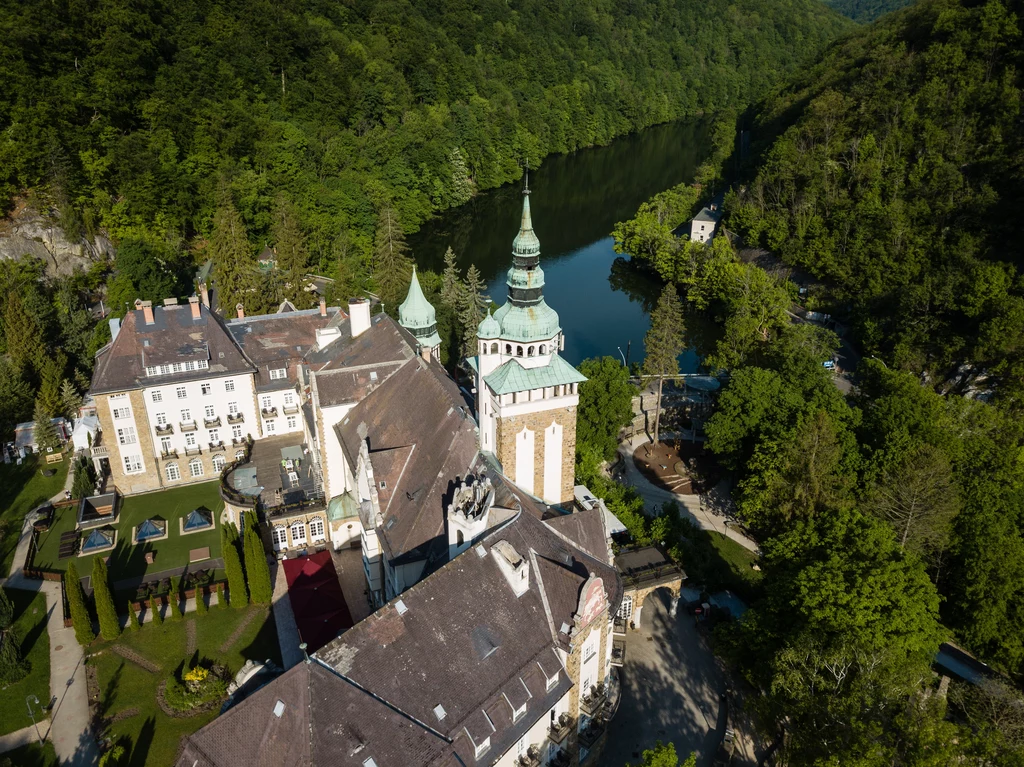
(401, 608)
(439, 712)
(279, 709)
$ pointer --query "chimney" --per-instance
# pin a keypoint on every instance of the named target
(193, 302)
(147, 311)
(241, 311)
(323, 307)
(205, 293)
(359, 312)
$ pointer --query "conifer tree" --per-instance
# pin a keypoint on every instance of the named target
(154, 610)
(256, 569)
(51, 373)
(462, 183)
(76, 603)
(133, 619)
(45, 432)
(451, 282)
(70, 399)
(222, 597)
(6, 610)
(392, 266)
(12, 666)
(473, 304)
(234, 271)
(201, 607)
(110, 626)
(663, 344)
(233, 566)
(21, 333)
(292, 258)
(174, 600)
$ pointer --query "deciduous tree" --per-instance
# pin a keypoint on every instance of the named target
(606, 404)
(663, 344)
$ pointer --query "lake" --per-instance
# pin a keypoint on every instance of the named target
(576, 200)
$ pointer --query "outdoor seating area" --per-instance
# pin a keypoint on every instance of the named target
(68, 544)
(279, 473)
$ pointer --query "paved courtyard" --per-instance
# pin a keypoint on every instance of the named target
(672, 690)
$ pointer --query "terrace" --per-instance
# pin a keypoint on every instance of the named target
(280, 475)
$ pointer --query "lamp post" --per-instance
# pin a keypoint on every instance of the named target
(880, 360)
(622, 355)
(29, 701)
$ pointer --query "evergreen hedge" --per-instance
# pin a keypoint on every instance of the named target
(110, 626)
(233, 566)
(76, 602)
(256, 569)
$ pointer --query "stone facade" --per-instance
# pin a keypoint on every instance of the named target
(505, 443)
(573, 665)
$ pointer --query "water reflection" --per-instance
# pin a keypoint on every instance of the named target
(576, 201)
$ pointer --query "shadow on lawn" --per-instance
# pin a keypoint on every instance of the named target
(33, 634)
(140, 752)
(265, 644)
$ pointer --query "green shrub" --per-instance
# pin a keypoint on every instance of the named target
(133, 619)
(200, 601)
(222, 596)
(13, 667)
(110, 626)
(196, 687)
(233, 566)
(76, 603)
(154, 608)
(256, 569)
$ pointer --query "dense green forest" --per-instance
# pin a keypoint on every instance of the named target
(867, 10)
(896, 179)
(134, 115)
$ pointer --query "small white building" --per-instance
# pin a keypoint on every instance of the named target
(704, 224)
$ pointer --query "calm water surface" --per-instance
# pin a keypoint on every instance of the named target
(576, 200)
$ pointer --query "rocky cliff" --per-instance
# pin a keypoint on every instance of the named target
(29, 233)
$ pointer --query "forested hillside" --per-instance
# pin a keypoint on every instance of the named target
(133, 114)
(867, 10)
(897, 179)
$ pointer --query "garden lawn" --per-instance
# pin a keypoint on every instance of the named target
(32, 755)
(151, 737)
(730, 567)
(30, 623)
(126, 560)
(22, 488)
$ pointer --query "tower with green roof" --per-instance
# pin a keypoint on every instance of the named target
(526, 393)
(417, 315)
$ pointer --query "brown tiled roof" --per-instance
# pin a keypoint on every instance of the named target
(585, 529)
(173, 337)
(417, 407)
(279, 340)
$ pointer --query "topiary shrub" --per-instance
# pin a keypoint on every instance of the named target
(76, 602)
(200, 601)
(154, 609)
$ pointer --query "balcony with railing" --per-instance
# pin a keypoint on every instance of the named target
(620, 624)
(560, 759)
(234, 418)
(531, 758)
(269, 412)
(168, 454)
(194, 450)
(560, 728)
(164, 429)
(594, 701)
(188, 426)
(591, 733)
(211, 423)
(291, 409)
(217, 446)
(618, 651)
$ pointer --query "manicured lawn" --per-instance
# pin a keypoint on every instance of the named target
(126, 560)
(32, 755)
(149, 735)
(22, 488)
(730, 567)
(30, 623)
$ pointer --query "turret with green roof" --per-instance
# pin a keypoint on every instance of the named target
(418, 317)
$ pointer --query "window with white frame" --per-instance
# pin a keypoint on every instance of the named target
(181, 392)
(165, 445)
(232, 408)
(206, 388)
(218, 463)
(483, 747)
(316, 529)
(289, 398)
(173, 474)
(278, 373)
(126, 435)
(239, 455)
(195, 467)
(158, 396)
(236, 431)
(518, 713)
(229, 386)
(299, 533)
(161, 419)
(210, 411)
(215, 436)
(265, 402)
(186, 416)
(121, 412)
(271, 427)
(132, 464)
(280, 538)
(190, 439)
(292, 422)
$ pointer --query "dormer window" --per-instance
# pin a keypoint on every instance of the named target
(551, 682)
(519, 712)
(278, 373)
(483, 747)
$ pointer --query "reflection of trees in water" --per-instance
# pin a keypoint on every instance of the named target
(642, 286)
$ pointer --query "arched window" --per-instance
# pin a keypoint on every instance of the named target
(316, 529)
(172, 472)
(280, 538)
(494, 348)
(519, 351)
(541, 350)
(529, 352)
(218, 462)
(460, 538)
(195, 467)
(299, 533)
(508, 348)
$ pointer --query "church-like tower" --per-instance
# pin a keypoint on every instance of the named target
(526, 393)
(417, 315)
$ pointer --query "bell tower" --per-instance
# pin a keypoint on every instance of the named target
(526, 393)
(417, 315)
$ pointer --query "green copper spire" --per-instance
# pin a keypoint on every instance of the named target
(417, 315)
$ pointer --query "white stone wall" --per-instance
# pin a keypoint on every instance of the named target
(337, 472)
(537, 734)
(127, 429)
(288, 419)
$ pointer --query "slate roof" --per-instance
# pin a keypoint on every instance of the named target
(513, 377)
(421, 438)
(279, 340)
(585, 529)
(173, 337)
